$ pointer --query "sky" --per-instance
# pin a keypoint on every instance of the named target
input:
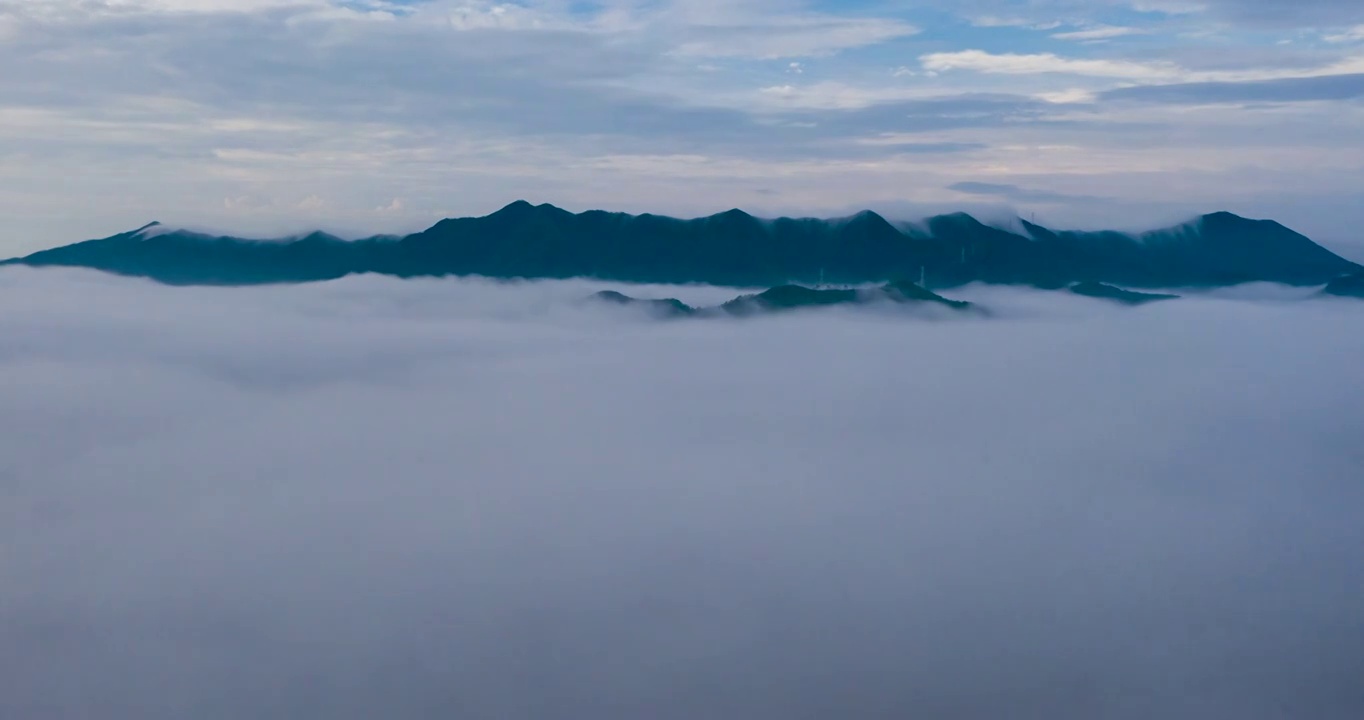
(364, 116)
(459, 498)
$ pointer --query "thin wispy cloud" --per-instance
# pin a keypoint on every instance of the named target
(1354, 34)
(1018, 194)
(1101, 32)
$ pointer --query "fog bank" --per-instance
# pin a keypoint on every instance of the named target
(454, 498)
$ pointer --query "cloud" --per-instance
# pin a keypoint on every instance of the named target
(395, 206)
(1029, 64)
(499, 16)
(1227, 15)
(377, 498)
(1064, 97)
(134, 110)
(313, 203)
(795, 36)
(913, 143)
(1280, 14)
(994, 21)
(1316, 89)
(1100, 32)
(1150, 72)
(833, 95)
(1354, 34)
(1018, 194)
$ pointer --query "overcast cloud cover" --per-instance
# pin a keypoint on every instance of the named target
(360, 116)
(455, 498)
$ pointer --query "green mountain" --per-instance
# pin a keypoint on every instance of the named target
(731, 248)
(786, 298)
(1117, 294)
(794, 297)
(669, 307)
(1351, 285)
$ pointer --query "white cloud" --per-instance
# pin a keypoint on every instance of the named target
(245, 203)
(992, 21)
(498, 16)
(1155, 71)
(788, 37)
(1073, 95)
(313, 204)
(1170, 7)
(401, 499)
(1100, 32)
(831, 95)
(1354, 34)
(1030, 64)
(197, 6)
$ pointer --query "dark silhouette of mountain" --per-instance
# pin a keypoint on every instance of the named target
(1351, 285)
(794, 297)
(1117, 294)
(789, 297)
(904, 291)
(667, 307)
(785, 298)
(731, 248)
(190, 258)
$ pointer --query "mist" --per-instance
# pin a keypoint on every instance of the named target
(462, 498)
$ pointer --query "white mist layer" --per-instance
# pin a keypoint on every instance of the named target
(440, 498)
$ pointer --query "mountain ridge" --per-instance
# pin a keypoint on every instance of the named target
(523, 240)
(786, 298)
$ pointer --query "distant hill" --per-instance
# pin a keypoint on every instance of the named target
(1346, 286)
(786, 298)
(1117, 294)
(794, 297)
(669, 307)
(731, 248)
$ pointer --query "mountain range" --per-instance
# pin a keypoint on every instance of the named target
(731, 248)
(789, 297)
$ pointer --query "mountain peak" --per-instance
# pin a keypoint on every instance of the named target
(866, 223)
(1225, 218)
(733, 217)
(150, 230)
(515, 207)
(1228, 222)
(318, 236)
(953, 220)
(523, 208)
(867, 216)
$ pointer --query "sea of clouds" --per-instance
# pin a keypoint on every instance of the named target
(375, 498)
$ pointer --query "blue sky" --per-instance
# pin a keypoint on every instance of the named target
(268, 116)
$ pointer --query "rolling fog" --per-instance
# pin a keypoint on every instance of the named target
(375, 498)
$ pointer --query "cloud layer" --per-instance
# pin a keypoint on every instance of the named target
(376, 498)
